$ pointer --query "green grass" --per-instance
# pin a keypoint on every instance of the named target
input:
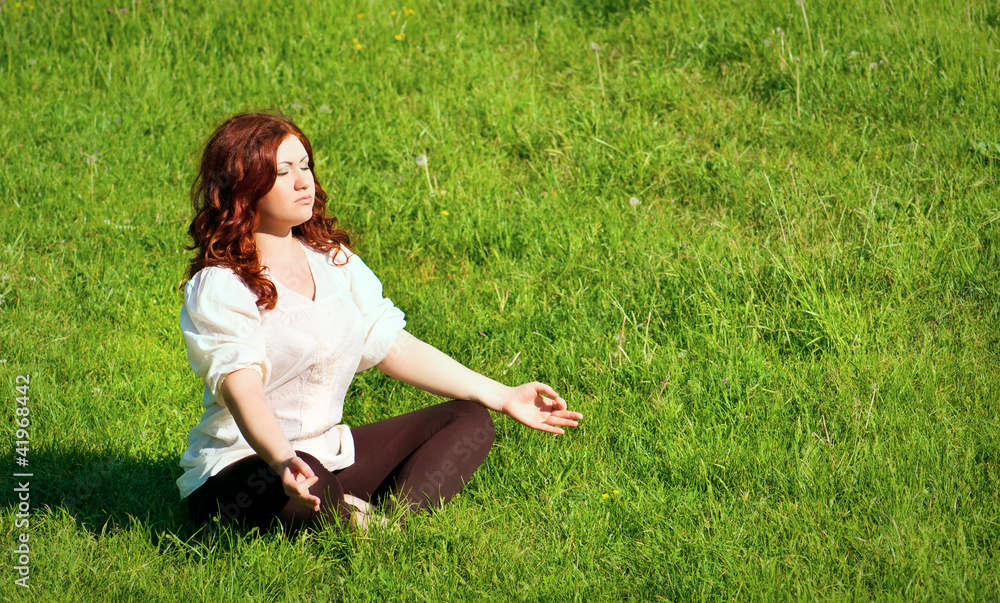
(786, 352)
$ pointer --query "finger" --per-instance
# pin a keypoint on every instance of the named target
(310, 499)
(548, 392)
(548, 428)
(565, 414)
(303, 496)
(301, 467)
(553, 403)
(559, 403)
(568, 414)
(555, 420)
(301, 486)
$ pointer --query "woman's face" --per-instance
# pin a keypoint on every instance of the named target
(290, 201)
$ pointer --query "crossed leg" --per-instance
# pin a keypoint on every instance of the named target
(423, 458)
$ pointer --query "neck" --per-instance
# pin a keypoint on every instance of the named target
(274, 247)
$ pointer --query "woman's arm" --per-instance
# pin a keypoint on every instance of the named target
(243, 393)
(422, 365)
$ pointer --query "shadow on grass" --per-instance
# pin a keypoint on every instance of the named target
(107, 492)
(103, 490)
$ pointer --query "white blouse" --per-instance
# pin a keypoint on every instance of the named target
(306, 352)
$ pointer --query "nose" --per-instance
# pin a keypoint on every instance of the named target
(303, 179)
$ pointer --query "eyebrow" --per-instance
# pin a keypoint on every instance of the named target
(291, 162)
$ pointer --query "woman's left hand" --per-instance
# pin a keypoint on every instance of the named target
(538, 406)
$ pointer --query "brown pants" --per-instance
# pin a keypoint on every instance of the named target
(422, 457)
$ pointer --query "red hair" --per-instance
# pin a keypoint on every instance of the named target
(238, 167)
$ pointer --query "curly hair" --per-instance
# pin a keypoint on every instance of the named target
(239, 167)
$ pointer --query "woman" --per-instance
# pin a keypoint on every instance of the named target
(278, 316)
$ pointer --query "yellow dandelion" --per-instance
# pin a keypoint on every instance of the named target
(358, 47)
(604, 496)
(355, 40)
(614, 492)
(400, 36)
(393, 13)
(361, 15)
(445, 213)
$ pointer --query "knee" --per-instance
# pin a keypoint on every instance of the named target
(314, 463)
(330, 492)
(327, 487)
(485, 428)
(479, 421)
(478, 432)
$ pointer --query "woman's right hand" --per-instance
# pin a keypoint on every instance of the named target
(297, 477)
(243, 393)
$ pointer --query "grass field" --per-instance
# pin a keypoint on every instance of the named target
(757, 244)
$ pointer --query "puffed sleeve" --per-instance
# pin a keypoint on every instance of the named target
(221, 325)
(382, 320)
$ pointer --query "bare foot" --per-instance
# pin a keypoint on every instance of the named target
(363, 517)
(357, 503)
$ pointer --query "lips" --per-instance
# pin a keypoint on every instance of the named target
(305, 200)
